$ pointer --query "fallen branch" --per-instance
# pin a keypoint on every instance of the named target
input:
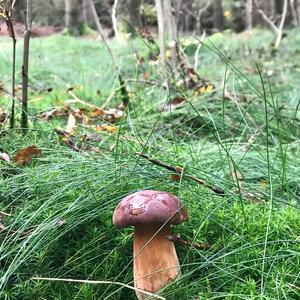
(77, 100)
(99, 282)
(179, 171)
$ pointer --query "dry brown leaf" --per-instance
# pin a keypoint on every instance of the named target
(175, 177)
(56, 112)
(113, 115)
(5, 157)
(174, 103)
(94, 137)
(110, 115)
(97, 113)
(25, 155)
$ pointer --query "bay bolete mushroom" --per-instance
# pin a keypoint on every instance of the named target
(155, 259)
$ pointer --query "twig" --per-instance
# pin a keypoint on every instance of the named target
(100, 282)
(176, 238)
(179, 170)
(277, 29)
(8, 12)
(77, 100)
(148, 82)
(2, 213)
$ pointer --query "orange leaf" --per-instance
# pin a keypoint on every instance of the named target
(25, 155)
(175, 177)
(97, 112)
(108, 128)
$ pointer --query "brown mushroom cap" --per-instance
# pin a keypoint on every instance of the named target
(149, 206)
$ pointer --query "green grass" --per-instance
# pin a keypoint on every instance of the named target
(61, 204)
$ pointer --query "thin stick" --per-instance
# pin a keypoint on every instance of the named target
(10, 26)
(179, 170)
(99, 282)
(77, 100)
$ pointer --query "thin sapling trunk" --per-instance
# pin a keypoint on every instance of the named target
(8, 15)
(24, 116)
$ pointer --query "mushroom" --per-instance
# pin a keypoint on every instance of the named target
(155, 259)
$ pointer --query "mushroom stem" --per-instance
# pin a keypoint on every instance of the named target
(155, 259)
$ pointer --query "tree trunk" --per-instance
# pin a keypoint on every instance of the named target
(298, 10)
(249, 14)
(269, 8)
(161, 35)
(171, 25)
(88, 14)
(73, 16)
(134, 13)
(295, 10)
(27, 34)
(217, 14)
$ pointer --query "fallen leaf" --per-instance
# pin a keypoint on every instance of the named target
(5, 157)
(236, 175)
(174, 103)
(56, 112)
(204, 89)
(71, 124)
(94, 137)
(107, 128)
(97, 113)
(25, 155)
(113, 115)
(175, 177)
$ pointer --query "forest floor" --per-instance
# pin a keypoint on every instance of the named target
(57, 198)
